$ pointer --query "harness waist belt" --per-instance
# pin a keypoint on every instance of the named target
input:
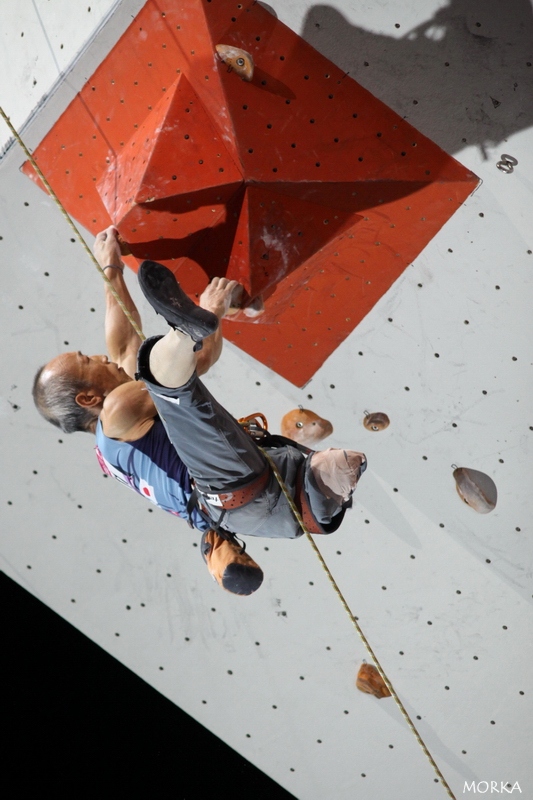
(238, 497)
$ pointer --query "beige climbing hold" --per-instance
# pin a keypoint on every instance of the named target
(241, 304)
(370, 681)
(238, 60)
(305, 427)
(255, 307)
(376, 422)
(476, 489)
(235, 303)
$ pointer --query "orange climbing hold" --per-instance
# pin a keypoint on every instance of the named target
(305, 427)
(238, 60)
(376, 421)
(370, 681)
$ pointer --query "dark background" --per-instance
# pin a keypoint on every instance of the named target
(81, 725)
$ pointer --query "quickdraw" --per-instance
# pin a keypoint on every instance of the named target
(256, 425)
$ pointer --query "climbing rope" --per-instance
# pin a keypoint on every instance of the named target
(70, 221)
(357, 627)
(278, 477)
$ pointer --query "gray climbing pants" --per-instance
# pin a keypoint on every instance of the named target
(221, 457)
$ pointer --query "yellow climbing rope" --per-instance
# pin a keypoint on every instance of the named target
(358, 628)
(70, 221)
(279, 479)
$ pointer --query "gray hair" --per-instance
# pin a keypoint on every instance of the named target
(55, 399)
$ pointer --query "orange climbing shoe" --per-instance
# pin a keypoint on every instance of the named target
(230, 565)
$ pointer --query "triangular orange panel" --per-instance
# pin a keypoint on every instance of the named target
(175, 152)
(302, 118)
(277, 233)
(188, 154)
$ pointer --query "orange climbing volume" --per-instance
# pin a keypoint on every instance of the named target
(298, 183)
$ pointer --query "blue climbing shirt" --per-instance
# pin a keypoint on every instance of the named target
(151, 467)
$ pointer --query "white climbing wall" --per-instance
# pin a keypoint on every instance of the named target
(442, 593)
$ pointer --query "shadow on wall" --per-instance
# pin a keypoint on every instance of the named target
(462, 77)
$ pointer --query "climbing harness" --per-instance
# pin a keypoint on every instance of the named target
(256, 425)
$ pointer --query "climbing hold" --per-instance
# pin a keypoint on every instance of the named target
(476, 489)
(238, 60)
(305, 427)
(236, 301)
(255, 307)
(124, 246)
(376, 422)
(370, 681)
(242, 304)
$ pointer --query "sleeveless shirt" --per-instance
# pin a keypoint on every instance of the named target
(150, 466)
